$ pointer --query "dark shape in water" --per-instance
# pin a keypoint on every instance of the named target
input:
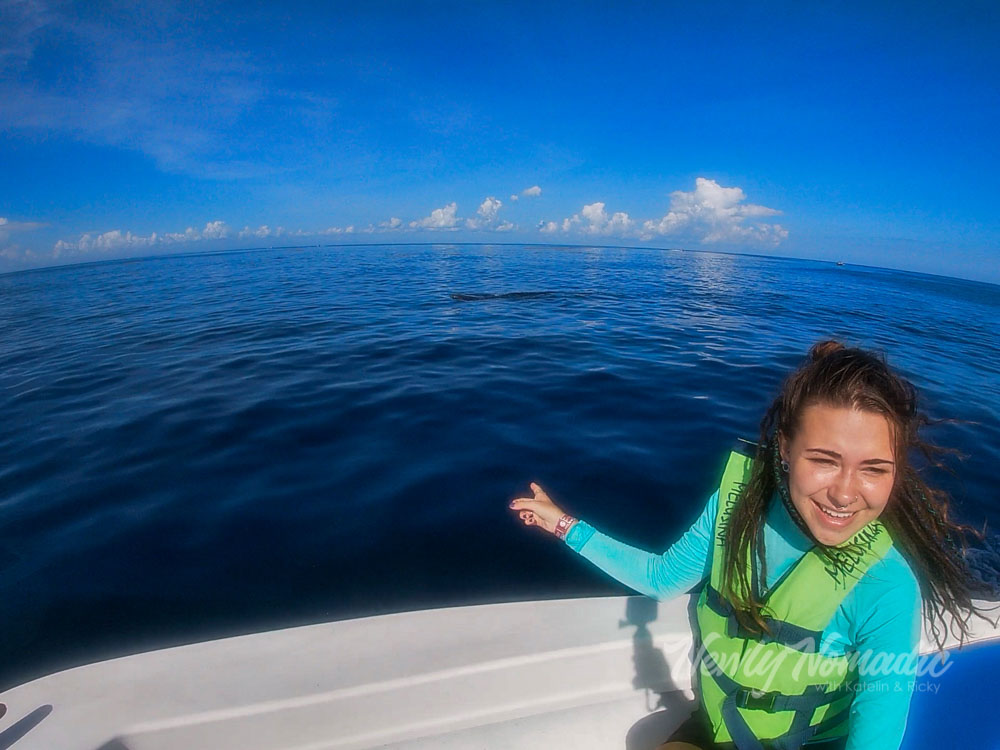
(459, 297)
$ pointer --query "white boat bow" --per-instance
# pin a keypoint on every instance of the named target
(606, 672)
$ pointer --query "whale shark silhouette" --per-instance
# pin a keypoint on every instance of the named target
(461, 297)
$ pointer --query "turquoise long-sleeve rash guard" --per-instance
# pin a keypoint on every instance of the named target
(879, 617)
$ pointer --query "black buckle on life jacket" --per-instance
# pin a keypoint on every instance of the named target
(756, 699)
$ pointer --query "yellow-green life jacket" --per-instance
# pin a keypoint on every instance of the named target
(778, 688)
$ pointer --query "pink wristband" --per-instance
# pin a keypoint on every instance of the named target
(563, 525)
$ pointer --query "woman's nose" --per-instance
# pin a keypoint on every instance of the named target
(842, 491)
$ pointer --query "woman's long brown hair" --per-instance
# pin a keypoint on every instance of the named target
(917, 516)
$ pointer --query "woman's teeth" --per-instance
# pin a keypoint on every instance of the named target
(837, 515)
(834, 514)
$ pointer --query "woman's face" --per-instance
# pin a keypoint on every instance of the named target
(840, 470)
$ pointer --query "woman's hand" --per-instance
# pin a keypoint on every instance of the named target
(538, 510)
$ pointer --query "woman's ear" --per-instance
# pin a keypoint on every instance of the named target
(782, 446)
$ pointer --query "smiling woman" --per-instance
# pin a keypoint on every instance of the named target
(843, 470)
(812, 558)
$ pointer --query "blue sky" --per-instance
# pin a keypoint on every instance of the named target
(857, 132)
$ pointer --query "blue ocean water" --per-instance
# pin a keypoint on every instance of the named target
(198, 446)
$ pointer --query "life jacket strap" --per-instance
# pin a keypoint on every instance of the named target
(802, 731)
(785, 633)
(814, 697)
(803, 706)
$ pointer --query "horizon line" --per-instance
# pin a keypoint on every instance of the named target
(197, 253)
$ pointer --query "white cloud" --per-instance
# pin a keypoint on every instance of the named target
(116, 239)
(532, 192)
(7, 227)
(105, 242)
(389, 225)
(595, 214)
(714, 213)
(440, 218)
(709, 213)
(487, 217)
(489, 208)
(188, 235)
(593, 219)
(215, 230)
(262, 231)
(486, 214)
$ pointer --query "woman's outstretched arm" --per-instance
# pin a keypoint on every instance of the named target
(684, 564)
(660, 576)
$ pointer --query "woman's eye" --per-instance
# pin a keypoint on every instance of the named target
(824, 461)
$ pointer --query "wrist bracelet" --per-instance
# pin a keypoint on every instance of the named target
(563, 526)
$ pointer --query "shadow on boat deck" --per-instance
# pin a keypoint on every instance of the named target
(22, 726)
(653, 675)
